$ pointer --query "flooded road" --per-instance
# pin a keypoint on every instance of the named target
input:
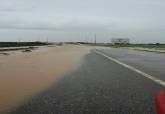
(23, 75)
(98, 86)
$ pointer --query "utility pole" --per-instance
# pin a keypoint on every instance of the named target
(19, 40)
(95, 40)
(86, 39)
(47, 40)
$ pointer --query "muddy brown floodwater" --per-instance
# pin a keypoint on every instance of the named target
(23, 75)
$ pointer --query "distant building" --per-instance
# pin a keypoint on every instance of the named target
(120, 40)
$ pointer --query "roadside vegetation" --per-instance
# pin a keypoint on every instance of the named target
(157, 45)
(21, 44)
(140, 45)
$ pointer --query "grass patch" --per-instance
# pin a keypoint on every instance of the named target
(141, 45)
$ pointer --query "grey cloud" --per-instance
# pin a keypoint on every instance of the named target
(143, 18)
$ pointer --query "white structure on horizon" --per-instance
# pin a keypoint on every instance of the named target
(120, 40)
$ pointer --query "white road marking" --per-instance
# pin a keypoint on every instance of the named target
(158, 81)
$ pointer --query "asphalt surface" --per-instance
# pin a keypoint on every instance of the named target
(98, 86)
(149, 62)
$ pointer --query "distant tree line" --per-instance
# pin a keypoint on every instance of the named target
(20, 44)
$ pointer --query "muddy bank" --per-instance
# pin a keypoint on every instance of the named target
(24, 75)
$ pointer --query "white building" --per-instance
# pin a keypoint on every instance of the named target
(120, 40)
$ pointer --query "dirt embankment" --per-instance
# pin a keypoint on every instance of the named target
(24, 74)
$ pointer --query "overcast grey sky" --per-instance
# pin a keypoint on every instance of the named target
(79, 20)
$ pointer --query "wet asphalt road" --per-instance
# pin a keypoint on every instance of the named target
(98, 86)
(148, 62)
